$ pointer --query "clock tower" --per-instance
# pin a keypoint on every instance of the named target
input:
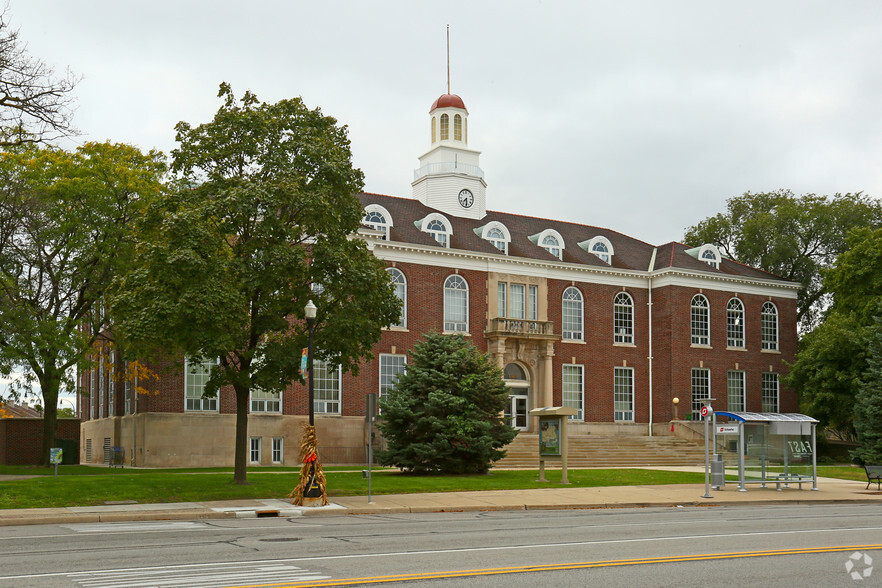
(449, 178)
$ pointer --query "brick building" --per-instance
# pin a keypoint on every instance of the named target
(576, 315)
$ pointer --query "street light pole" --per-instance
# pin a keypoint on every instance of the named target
(310, 324)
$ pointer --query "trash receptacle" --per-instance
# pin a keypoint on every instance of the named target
(117, 457)
(718, 472)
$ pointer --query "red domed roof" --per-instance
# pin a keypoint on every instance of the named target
(448, 100)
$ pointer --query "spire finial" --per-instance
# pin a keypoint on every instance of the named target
(448, 59)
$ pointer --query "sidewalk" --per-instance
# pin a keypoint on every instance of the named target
(830, 491)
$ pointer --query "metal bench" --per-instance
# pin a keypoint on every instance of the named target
(874, 474)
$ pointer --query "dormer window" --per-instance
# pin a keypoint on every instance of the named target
(497, 234)
(599, 246)
(551, 241)
(437, 226)
(378, 218)
(710, 255)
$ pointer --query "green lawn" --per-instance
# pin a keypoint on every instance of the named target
(84, 485)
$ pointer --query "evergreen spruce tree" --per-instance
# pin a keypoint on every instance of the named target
(444, 414)
(868, 404)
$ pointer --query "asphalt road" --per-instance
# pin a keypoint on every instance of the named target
(756, 546)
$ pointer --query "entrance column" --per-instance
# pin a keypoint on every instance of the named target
(545, 395)
(497, 349)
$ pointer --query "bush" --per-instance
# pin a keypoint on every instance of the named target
(444, 414)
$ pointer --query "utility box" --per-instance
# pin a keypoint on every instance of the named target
(718, 472)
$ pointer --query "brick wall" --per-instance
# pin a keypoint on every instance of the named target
(21, 440)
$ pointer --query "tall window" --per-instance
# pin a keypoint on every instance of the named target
(735, 323)
(623, 394)
(573, 316)
(700, 390)
(456, 304)
(93, 398)
(770, 392)
(376, 220)
(278, 449)
(111, 385)
(533, 303)
(264, 401)
(391, 366)
(735, 390)
(255, 450)
(127, 388)
(101, 413)
(457, 127)
(438, 230)
(623, 318)
(518, 301)
(433, 129)
(552, 245)
(326, 390)
(574, 389)
(445, 127)
(400, 285)
(502, 298)
(195, 376)
(769, 326)
(700, 320)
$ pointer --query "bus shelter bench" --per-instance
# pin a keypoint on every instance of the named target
(874, 474)
(786, 479)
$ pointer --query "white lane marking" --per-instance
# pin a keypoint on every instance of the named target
(473, 549)
(196, 576)
(205, 526)
(137, 527)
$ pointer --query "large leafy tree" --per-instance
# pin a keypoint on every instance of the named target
(445, 412)
(868, 403)
(35, 104)
(65, 220)
(261, 221)
(832, 362)
(794, 237)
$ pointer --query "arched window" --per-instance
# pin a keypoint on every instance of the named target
(572, 313)
(433, 129)
(438, 230)
(710, 255)
(400, 285)
(457, 127)
(376, 220)
(497, 239)
(769, 326)
(456, 304)
(445, 127)
(700, 320)
(601, 250)
(551, 245)
(735, 323)
(623, 318)
(496, 233)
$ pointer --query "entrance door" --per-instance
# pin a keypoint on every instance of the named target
(517, 411)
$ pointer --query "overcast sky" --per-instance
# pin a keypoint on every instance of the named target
(643, 117)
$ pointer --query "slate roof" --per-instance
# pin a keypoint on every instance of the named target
(629, 253)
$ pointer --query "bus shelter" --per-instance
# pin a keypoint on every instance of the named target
(768, 447)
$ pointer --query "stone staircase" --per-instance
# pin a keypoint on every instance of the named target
(608, 451)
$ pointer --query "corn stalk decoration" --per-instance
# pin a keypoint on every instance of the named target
(312, 478)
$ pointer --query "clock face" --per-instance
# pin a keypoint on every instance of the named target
(466, 199)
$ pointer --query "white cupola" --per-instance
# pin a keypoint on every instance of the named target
(449, 178)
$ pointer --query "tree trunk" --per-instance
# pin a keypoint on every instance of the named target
(242, 394)
(49, 386)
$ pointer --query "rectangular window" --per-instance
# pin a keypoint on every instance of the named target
(93, 393)
(127, 388)
(263, 401)
(391, 366)
(195, 376)
(574, 389)
(278, 446)
(501, 298)
(770, 392)
(518, 302)
(456, 310)
(735, 390)
(111, 387)
(533, 303)
(255, 450)
(700, 390)
(326, 390)
(623, 394)
(100, 386)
